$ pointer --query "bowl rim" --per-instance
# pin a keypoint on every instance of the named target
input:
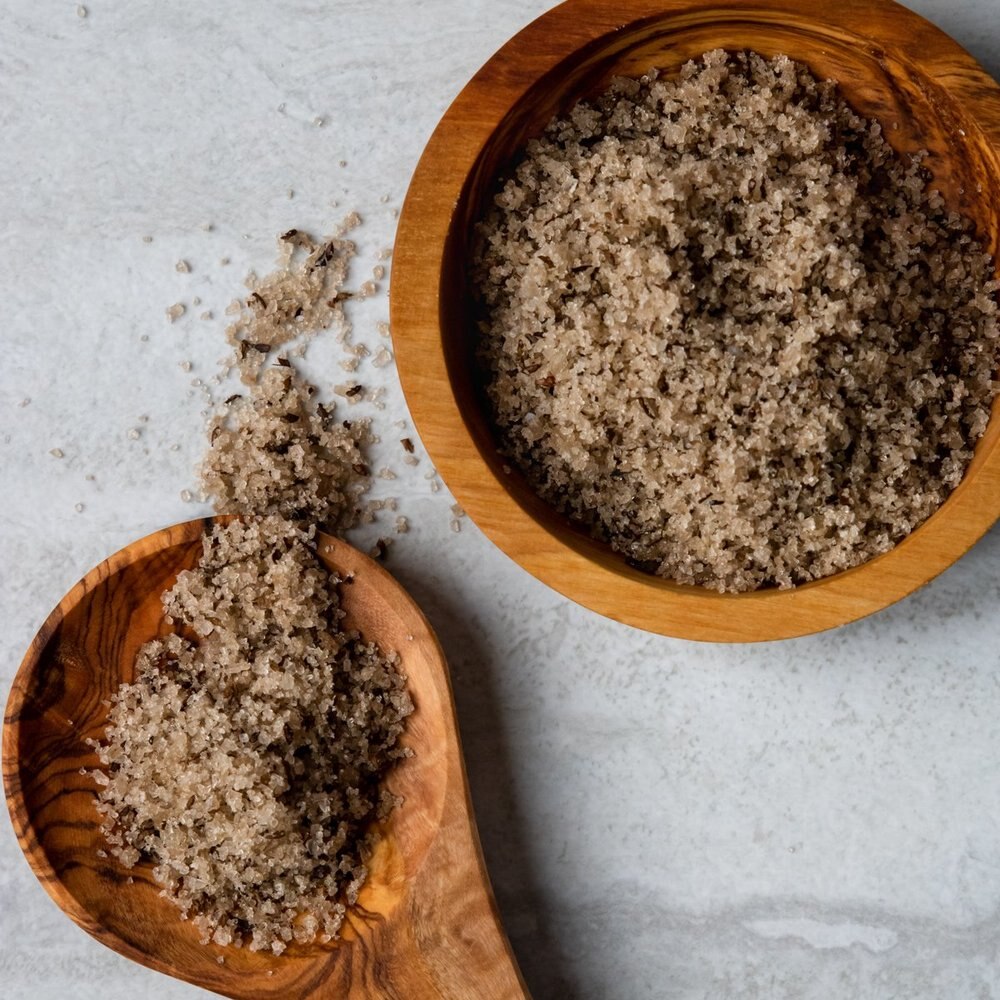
(605, 584)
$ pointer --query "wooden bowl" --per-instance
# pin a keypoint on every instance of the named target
(891, 65)
(425, 924)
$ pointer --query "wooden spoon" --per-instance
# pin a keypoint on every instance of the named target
(426, 924)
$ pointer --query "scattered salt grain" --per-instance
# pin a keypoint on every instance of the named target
(353, 392)
(176, 311)
(56, 452)
(183, 267)
(277, 451)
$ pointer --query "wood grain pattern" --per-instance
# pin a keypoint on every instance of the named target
(426, 924)
(891, 64)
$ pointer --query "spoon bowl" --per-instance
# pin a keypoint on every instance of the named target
(425, 924)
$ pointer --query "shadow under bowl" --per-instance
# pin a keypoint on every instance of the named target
(890, 64)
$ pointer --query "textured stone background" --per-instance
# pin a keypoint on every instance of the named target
(815, 819)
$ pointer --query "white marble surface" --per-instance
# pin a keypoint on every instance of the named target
(814, 819)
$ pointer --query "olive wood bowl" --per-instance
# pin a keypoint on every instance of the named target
(891, 65)
(425, 924)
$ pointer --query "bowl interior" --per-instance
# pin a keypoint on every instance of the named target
(915, 110)
(60, 701)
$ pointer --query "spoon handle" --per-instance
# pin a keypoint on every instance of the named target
(447, 940)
